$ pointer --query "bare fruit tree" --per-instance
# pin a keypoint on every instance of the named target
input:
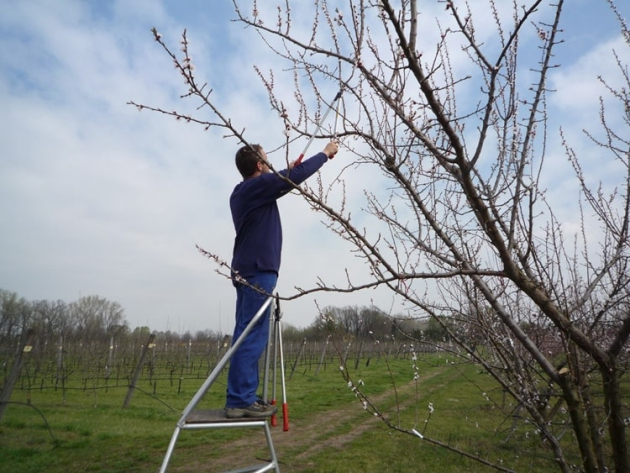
(457, 126)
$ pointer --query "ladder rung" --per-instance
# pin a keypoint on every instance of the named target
(211, 416)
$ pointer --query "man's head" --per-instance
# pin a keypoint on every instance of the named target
(251, 160)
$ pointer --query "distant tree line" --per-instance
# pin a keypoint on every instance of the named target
(95, 319)
(369, 322)
(89, 318)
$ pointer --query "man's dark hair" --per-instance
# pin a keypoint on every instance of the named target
(247, 158)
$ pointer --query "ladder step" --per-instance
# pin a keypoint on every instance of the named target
(210, 416)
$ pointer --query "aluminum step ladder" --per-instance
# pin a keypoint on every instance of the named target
(192, 419)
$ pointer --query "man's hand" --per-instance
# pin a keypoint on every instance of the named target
(331, 149)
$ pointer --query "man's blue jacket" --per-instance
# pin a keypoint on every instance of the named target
(258, 241)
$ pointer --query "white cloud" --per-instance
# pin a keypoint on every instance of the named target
(577, 87)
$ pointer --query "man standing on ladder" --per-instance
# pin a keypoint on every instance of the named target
(256, 259)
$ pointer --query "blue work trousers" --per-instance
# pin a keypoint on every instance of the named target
(243, 376)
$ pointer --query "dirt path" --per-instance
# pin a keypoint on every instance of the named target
(296, 447)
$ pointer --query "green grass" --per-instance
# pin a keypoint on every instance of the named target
(89, 430)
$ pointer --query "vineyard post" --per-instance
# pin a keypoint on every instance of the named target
(61, 372)
(145, 349)
(360, 354)
(321, 360)
(345, 355)
(14, 375)
(297, 358)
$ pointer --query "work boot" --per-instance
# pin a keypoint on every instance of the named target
(258, 409)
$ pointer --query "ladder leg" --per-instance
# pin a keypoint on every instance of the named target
(272, 450)
(274, 418)
(169, 451)
(265, 392)
(285, 403)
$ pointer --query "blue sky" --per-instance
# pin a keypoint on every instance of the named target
(98, 198)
